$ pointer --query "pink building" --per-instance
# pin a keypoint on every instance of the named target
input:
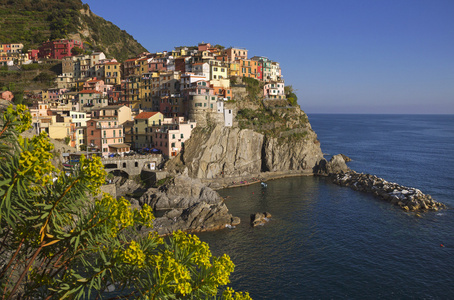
(274, 90)
(172, 135)
(7, 95)
(106, 136)
(96, 85)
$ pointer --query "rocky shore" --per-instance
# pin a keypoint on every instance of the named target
(409, 199)
(188, 205)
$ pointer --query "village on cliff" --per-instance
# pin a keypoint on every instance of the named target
(149, 103)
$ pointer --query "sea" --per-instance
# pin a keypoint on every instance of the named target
(324, 241)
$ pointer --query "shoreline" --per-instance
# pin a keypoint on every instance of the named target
(239, 181)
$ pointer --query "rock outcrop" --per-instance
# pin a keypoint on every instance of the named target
(200, 216)
(191, 206)
(227, 152)
(334, 166)
(181, 192)
(260, 218)
(409, 199)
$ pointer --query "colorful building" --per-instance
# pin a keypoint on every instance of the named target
(142, 132)
(172, 135)
(106, 136)
(58, 49)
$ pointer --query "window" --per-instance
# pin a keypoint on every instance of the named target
(173, 145)
(173, 136)
(181, 135)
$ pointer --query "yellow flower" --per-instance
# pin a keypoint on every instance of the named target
(133, 255)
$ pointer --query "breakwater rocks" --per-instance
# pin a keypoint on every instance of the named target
(407, 198)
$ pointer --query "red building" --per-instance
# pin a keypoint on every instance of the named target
(158, 64)
(33, 54)
(58, 49)
(259, 71)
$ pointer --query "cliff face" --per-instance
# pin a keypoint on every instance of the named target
(227, 152)
(224, 150)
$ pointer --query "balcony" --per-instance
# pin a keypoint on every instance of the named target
(199, 94)
(107, 126)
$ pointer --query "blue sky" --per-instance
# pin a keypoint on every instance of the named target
(342, 56)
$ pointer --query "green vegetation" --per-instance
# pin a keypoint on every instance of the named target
(34, 22)
(31, 77)
(254, 88)
(60, 238)
(273, 122)
(162, 181)
(290, 95)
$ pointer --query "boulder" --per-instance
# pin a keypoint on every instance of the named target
(336, 165)
(345, 157)
(199, 217)
(180, 192)
(260, 218)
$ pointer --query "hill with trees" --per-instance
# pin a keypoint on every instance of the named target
(34, 22)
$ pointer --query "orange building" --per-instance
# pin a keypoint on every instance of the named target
(248, 68)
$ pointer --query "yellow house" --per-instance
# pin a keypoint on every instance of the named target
(145, 89)
(234, 69)
(112, 74)
(218, 71)
(45, 95)
(142, 66)
(56, 127)
(142, 130)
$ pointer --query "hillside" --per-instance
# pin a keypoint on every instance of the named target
(33, 22)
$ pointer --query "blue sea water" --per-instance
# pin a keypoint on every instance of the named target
(330, 242)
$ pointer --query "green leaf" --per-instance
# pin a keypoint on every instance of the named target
(44, 215)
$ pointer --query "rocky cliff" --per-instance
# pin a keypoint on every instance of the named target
(218, 151)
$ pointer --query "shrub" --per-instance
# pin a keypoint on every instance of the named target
(59, 243)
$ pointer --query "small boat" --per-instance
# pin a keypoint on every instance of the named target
(263, 184)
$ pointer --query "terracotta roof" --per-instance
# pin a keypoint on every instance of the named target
(146, 115)
(89, 92)
(94, 80)
(131, 59)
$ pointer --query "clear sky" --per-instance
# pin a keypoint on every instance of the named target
(341, 56)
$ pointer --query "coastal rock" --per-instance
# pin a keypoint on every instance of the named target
(180, 192)
(191, 206)
(345, 157)
(199, 217)
(220, 152)
(334, 166)
(260, 218)
(337, 164)
(409, 199)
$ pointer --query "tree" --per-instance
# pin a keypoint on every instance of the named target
(291, 96)
(76, 51)
(58, 242)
